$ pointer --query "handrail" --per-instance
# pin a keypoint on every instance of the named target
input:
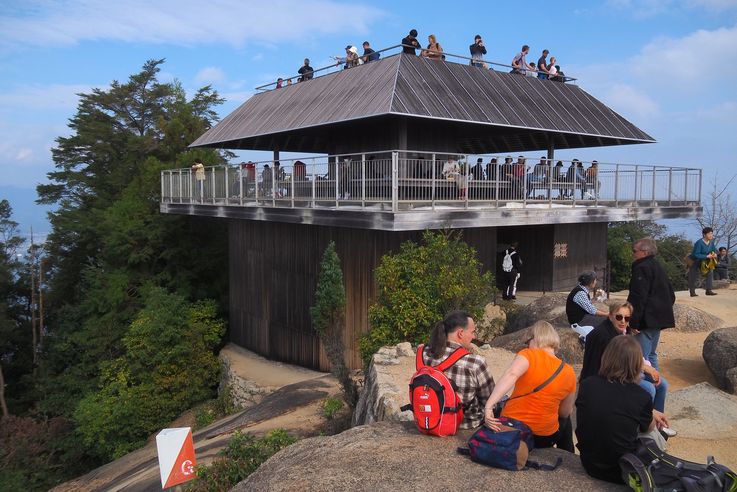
(384, 50)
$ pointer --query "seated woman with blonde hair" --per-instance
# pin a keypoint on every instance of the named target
(544, 391)
(433, 51)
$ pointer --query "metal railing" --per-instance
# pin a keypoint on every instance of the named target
(411, 180)
(396, 50)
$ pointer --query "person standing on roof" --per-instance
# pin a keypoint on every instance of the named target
(511, 266)
(478, 50)
(410, 45)
(519, 64)
(542, 66)
(369, 55)
(306, 71)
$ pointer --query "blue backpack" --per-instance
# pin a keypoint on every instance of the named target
(507, 449)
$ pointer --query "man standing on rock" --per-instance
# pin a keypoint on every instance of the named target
(652, 297)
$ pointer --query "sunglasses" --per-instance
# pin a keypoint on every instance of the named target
(620, 317)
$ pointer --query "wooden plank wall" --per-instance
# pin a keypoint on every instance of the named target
(273, 274)
(586, 248)
(535, 250)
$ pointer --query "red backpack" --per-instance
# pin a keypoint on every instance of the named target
(433, 398)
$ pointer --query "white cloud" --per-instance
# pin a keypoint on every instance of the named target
(209, 75)
(645, 9)
(631, 101)
(24, 154)
(43, 97)
(179, 22)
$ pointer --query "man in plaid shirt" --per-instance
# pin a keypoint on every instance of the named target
(470, 374)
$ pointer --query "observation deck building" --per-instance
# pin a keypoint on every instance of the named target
(390, 151)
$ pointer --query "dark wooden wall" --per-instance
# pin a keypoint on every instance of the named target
(274, 268)
(586, 250)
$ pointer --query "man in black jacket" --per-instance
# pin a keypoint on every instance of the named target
(651, 295)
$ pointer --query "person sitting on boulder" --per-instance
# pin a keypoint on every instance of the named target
(599, 339)
(547, 409)
(612, 409)
(470, 374)
(579, 308)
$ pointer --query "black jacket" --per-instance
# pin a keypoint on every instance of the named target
(596, 343)
(652, 296)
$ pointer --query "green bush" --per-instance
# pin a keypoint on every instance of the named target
(419, 285)
(169, 364)
(331, 406)
(241, 457)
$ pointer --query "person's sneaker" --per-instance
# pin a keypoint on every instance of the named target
(694, 294)
(710, 293)
(668, 432)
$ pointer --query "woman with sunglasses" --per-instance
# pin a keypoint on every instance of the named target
(597, 341)
(545, 409)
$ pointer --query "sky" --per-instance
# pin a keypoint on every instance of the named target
(669, 66)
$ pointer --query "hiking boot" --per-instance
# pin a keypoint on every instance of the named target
(668, 432)
(710, 293)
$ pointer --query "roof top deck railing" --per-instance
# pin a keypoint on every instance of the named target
(394, 180)
(394, 51)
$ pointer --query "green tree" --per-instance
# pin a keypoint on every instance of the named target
(672, 250)
(108, 237)
(328, 318)
(419, 285)
(169, 364)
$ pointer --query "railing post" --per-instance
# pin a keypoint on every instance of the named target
(313, 181)
(291, 184)
(242, 173)
(653, 192)
(181, 190)
(363, 180)
(550, 183)
(337, 178)
(227, 190)
(616, 185)
(524, 185)
(190, 186)
(701, 171)
(213, 184)
(685, 188)
(395, 180)
(496, 184)
(273, 186)
(467, 179)
(432, 191)
(670, 186)
(255, 184)
(637, 180)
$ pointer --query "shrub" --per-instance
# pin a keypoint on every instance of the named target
(419, 285)
(168, 366)
(328, 319)
(331, 406)
(241, 457)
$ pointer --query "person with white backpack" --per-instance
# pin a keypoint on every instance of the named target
(511, 266)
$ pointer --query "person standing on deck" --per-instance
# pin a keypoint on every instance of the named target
(478, 50)
(519, 64)
(410, 45)
(542, 66)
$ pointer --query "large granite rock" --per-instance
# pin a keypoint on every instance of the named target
(690, 319)
(386, 385)
(570, 349)
(550, 308)
(491, 324)
(391, 456)
(720, 355)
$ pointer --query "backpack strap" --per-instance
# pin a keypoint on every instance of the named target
(419, 362)
(543, 466)
(457, 355)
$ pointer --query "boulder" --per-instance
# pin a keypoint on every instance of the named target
(570, 349)
(549, 307)
(491, 324)
(690, 319)
(390, 456)
(720, 355)
(385, 386)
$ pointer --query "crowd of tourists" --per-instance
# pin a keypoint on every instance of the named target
(544, 69)
(621, 396)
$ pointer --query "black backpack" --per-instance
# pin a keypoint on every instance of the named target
(651, 470)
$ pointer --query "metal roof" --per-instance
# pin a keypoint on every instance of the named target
(521, 111)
